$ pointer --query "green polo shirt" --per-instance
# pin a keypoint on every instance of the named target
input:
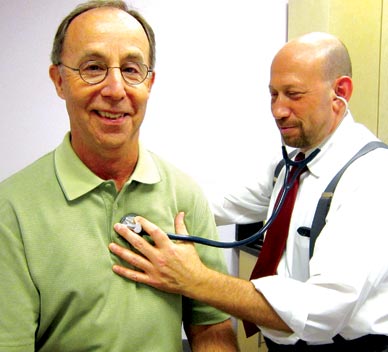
(58, 292)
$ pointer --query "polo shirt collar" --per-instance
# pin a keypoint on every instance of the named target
(76, 179)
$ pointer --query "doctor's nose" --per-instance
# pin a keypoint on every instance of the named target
(279, 109)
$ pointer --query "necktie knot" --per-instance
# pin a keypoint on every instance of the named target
(300, 156)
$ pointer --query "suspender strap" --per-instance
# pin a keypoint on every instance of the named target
(324, 202)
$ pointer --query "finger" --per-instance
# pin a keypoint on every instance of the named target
(180, 226)
(124, 232)
(143, 278)
(136, 241)
(130, 274)
(130, 257)
(159, 237)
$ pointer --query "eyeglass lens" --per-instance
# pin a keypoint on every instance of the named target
(95, 72)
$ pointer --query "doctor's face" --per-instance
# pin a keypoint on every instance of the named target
(301, 100)
(106, 116)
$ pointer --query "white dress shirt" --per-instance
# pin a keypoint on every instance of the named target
(343, 289)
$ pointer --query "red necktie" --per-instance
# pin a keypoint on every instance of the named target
(275, 238)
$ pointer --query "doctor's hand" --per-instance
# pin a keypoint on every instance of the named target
(169, 266)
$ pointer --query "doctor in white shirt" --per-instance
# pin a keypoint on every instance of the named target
(336, 300)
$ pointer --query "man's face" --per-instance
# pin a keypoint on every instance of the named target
(301, 100)
(106, 116)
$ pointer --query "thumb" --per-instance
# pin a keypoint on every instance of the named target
(180, 226)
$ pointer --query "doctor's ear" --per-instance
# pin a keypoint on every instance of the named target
(344, 87)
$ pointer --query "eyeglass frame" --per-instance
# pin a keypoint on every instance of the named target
(148, 71)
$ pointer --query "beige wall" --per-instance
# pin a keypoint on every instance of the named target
(360, 25)
(383, 101)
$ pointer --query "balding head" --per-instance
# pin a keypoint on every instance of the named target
(323, 48)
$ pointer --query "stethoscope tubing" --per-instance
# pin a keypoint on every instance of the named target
(287, 184)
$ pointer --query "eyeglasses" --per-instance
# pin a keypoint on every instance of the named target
(94, 72)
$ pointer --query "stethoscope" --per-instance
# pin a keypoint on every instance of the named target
(129, 219)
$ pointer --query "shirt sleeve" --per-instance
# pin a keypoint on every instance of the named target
(18, 295)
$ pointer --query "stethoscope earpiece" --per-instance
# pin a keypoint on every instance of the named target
(344, 101)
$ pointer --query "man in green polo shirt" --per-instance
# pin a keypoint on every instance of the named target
(58, 291)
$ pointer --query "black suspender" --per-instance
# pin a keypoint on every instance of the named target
(324, 202)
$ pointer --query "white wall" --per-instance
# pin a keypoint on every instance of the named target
(209, 109)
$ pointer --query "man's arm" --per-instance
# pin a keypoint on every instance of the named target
(212, 338)
(177, 268)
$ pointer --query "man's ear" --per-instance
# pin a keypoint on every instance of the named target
(56, 77)
(344, 87)
(151, 81)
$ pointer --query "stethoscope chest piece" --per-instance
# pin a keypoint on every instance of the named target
(129, 221)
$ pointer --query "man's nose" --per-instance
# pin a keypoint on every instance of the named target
(114, 84)
(279, 108)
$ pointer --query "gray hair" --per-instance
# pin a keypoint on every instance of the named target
(93, 4)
